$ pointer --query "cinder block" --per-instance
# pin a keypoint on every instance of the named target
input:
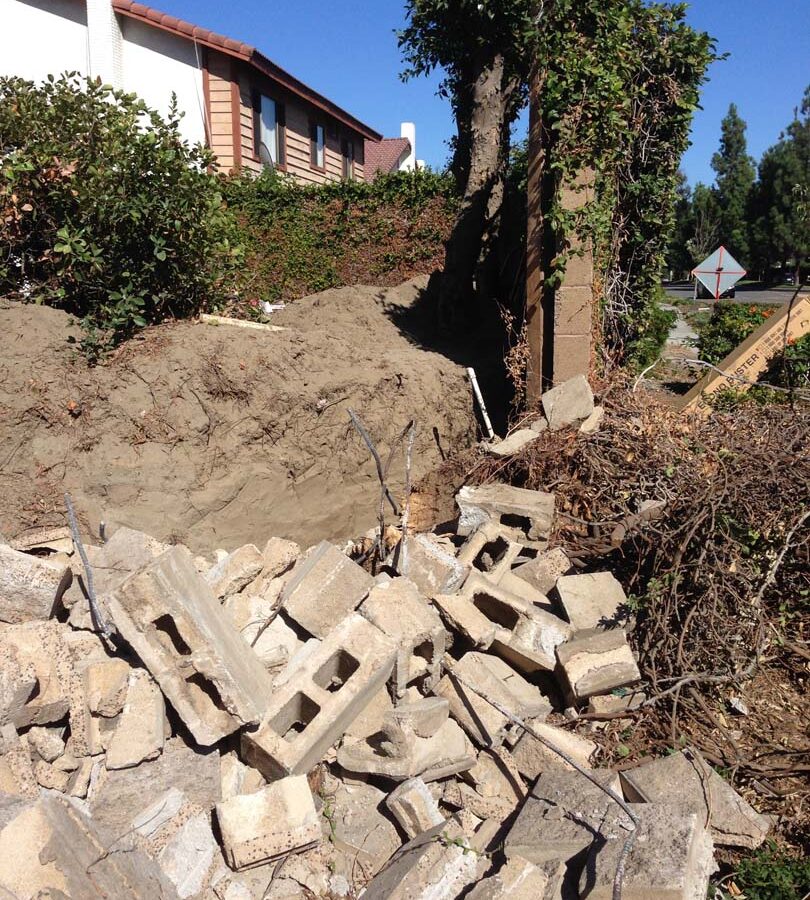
(414, 807)
(269, 823)
(533, 757)
(398, 610)
(325, 587)
(531, 511)
(597, 663)
(543, 571)
(572, 356)
(30, 587)
(526, 636)
(593, 601)
(312, 708)
(491, 549)
(432, 569)
(168, 614)
(493, 677)
(573, 310)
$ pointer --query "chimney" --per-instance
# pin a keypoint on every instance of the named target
(408, 130)
(105, 43)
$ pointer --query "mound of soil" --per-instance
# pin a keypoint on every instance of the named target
(217, 435)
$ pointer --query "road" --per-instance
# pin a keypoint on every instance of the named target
(746, 293)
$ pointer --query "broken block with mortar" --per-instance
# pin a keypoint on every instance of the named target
(415, 739)
(429, 566)
(231, 573)
(270, 823)
(686, 778)
(324, 588)
(597, 663)
(30, 587)
(531, 511)
(463, 617)
(397, 608)
(168, 614)
(568, 403)
(494, 678)
(414, 807)
(672, 857)
(526, 635)
(593, 601)
(319, 699)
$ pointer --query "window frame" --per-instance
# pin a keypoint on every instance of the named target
(281, 129)
(314, 126)
(349, 160)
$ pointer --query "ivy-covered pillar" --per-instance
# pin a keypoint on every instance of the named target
(559, 308)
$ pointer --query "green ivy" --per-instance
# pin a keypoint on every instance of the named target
(105, 210)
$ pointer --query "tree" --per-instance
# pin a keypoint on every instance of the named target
(735, 180)
(706, 215)
(485, 50)
(679, 260)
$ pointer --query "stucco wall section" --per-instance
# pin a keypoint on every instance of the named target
(60, 34)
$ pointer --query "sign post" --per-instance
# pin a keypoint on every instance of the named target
(718, 272)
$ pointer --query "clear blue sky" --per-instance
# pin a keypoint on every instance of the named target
(348, 51)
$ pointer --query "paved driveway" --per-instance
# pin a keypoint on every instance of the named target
(747, 293)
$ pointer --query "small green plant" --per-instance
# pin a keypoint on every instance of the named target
(105, 210)
(773, 874)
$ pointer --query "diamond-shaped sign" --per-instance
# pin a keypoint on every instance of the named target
(719, 272)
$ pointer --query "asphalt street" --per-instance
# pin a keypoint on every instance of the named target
(746, 293)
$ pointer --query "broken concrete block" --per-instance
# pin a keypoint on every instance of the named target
(370, 719)
(496, 775)
(169, 616)
(593, 601)
(275, 643)
(435, 865)
(561, 816)
(414, 807)
(513, 443)
(311, 710)
(568, 403)
(139, 732)
(463, 796)
(398, 610)
(34, 647)
(526, 635)
(80, 778)
(17, 774)
(54, 540)
(623, 700)
(492, 548)
(594, 420)
(105, 686)
(325, 587)
(50, 849)
(532, 757)
(687, 779)
(431, 568)
(116, 797)
(517, 879)
(672, 858)
(364, 837)
(494, 678)
(48, 743)
(399, 753)
(543, 571)
(237, 778)
(30, 587)
(463, 617)
(231, 574)
(531, 511)
(50, 777)
(269, 823)
(18, 681)
(597, 663)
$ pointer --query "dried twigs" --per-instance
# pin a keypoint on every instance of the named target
(99, 622)
(402, 547)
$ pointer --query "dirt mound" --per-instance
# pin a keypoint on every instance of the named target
(214, 436)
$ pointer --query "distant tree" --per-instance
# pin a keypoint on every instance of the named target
(735, 181)
(706, 215)
(678, 259)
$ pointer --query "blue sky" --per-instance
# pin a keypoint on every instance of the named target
(348, 51)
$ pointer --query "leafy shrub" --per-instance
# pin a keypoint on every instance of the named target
(773, 874)
(649, 332)
(105, 210)
(305, 238)
(732, 323)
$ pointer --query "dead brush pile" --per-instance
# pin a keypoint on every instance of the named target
(720, 580)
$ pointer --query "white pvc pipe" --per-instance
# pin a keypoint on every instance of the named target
(480, 399)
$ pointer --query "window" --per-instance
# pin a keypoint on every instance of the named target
(269, 131)
(348, 159)
(317, 146)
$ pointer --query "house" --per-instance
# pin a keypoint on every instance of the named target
(249, 111)
(392, 154)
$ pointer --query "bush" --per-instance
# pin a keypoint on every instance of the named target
(732, 323)
(106, 212)
(305, 238)
(773, 874)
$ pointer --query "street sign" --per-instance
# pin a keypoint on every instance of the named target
(719, 272)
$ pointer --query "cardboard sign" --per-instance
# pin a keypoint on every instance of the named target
(750, 359)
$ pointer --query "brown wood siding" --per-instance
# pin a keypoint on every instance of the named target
(249, 159)
(219, 92)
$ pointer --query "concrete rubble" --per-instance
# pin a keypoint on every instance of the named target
(280, 723)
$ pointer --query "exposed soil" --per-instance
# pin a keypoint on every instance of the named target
(216, 436)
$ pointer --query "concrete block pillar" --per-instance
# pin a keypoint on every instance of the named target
(105, 43)
(559, 323)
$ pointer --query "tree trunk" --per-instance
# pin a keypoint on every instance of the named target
(489, 106)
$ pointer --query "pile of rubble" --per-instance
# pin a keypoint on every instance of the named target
(278, 724)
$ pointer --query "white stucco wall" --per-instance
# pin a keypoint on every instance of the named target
(157, 63)
(42, 37)
(47, 37)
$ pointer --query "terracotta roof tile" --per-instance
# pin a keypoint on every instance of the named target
(383, 156)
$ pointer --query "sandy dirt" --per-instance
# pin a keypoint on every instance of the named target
(218, 436)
